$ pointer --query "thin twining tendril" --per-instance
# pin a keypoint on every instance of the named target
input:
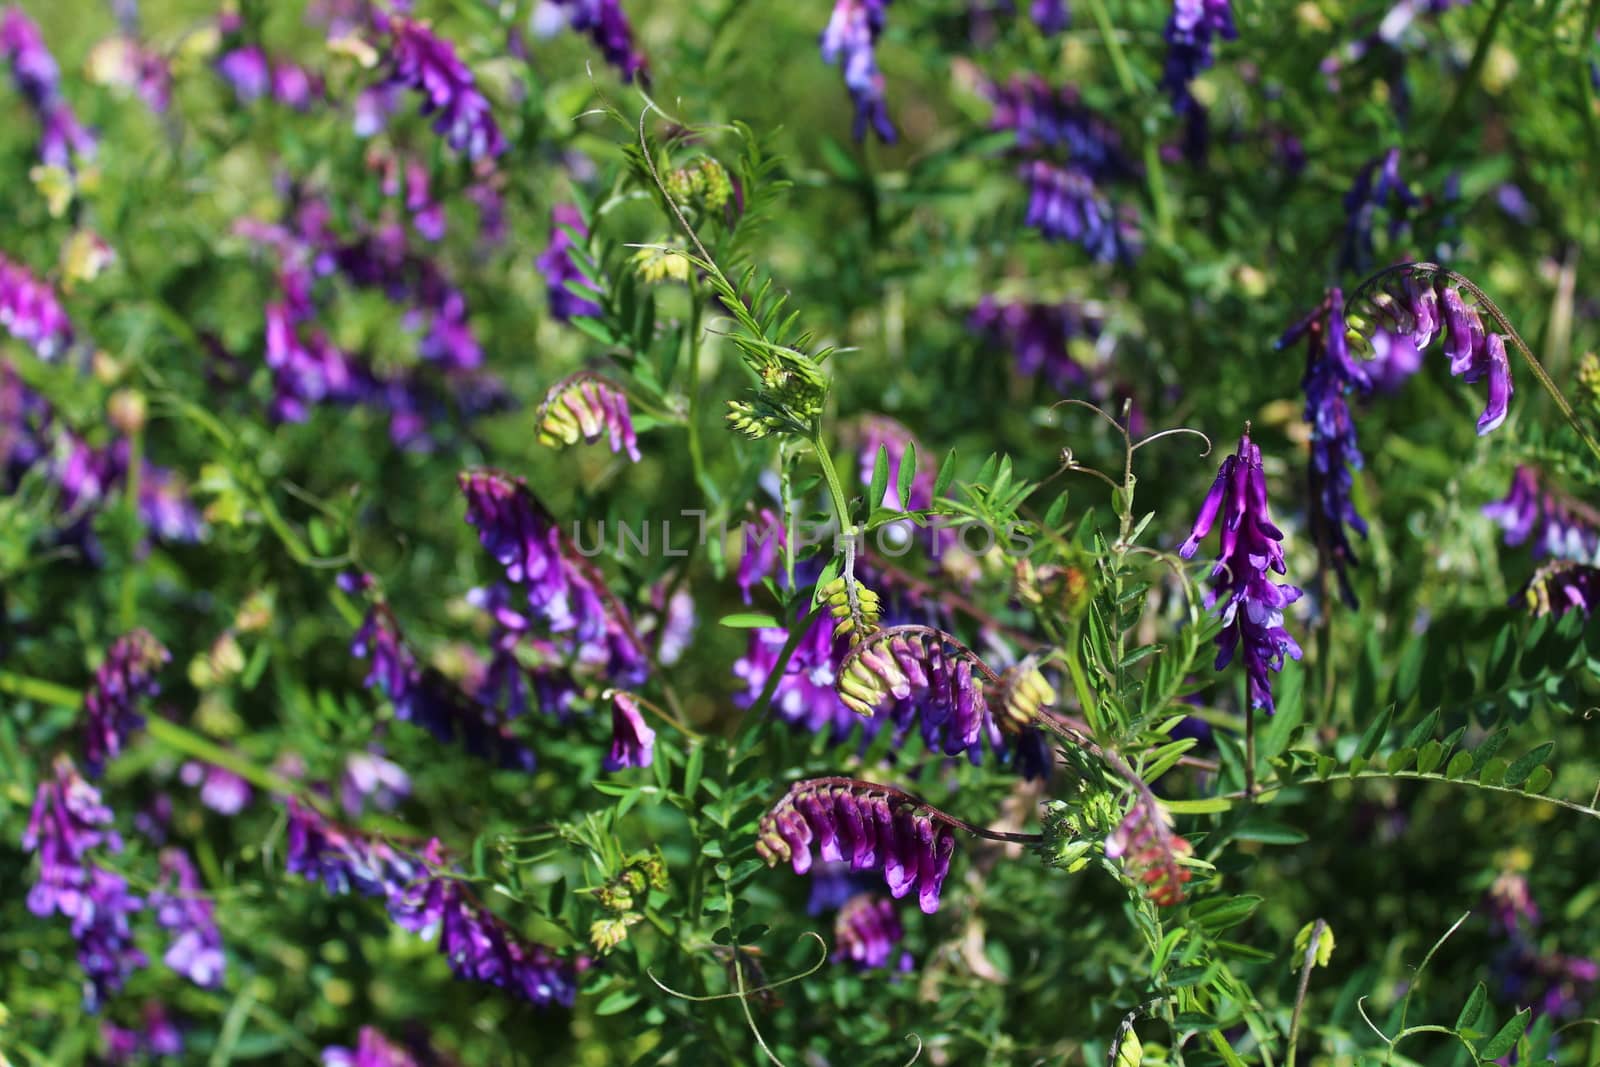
(743, 994)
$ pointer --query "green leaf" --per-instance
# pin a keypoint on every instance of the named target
(748, 620)
(1400, 760)
(1519, 771)
(1459, 765)
(1429, 756)
(620, 1000)
(1473, 1007)
(1373, 736)
(880, 478)
(1486, 751)
(1057, 512)
(693, 768)
(908, 471)
(1505, 1038)
(1538, 781)
(1494, 771)
(947, 473)
(1268, 832)
(1217, 914)
(1203, 806)
(1422, 731)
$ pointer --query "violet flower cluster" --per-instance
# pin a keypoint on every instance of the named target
(1069, 155)
(62, 139)
(1549, 981)
(1191, 33)
(1331, 377)
(252, 75)
(1251, 602)
(423, 897)
(309, 369)
(68, 820)
(221, 790)
(871, 828)
(110, 707)
(866, 931)
(557, 266)
(424, 696)
(183, 908)
(1378, 184)
(425, 63)
(604, 22)
(372, 1049)
(632, 739)
(371, 781)
(1561, 586)
(850, 39)
(587, 407)
(1419, 303)
(1553, 524)
(1040, 337)
(31, 312)
(563, 591)
(158, 1036)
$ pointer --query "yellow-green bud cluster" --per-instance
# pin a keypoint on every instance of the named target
(855, 606)
(656, 265)
(747, 419)
(1589, 385)
(703, 184)
(1024, 690)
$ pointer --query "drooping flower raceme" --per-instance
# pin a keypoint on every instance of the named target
(110, 706)
(1150, 853)
(1330, 378)
(68, 820)
(586, 406)
(851, 39)
(871, 827)
(1041, 338)
(1420, 301)
(424, 62)
(423, 897)
(1560, 586)
(1554, 525)
(183, 907)
(604, 22)
(1251, 602)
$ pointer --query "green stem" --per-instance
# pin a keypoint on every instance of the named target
(1480, 54)
(692, 343)
(841, 505)
(1155, 176)
(1080, 681)
(160, 730)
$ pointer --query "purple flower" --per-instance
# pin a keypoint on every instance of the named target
(426, 63)
(158, 1037)
(805, 695)
(1064, 204)
(1050, 119)
(246, 69)
(424, 696)
(68, 819)
(1040, 337)
(1558, 526)
(1190, 35)
(589, 407)
(852, 33)
(1051, 16)
(765, 540)
(423, 898)
(557, 265)
(110, 707)
(916, 673)
(220, 789)
(30, 311)
(372, 1049)
(38, 79)
(1560, 586)
(1395, 358)
(294, 87)
(675, 621)
(606, 24)
(871, 827)
(632, 740)
(866, 931)
(1252, 603)
(563, 590)
(1377, 185)
(1511, 905)
(1331, 376)
(182, 907)
(1418, 305)
(369, 778)
(1150, 853)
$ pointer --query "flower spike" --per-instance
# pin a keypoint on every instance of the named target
(924, 667)
(587, 406)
